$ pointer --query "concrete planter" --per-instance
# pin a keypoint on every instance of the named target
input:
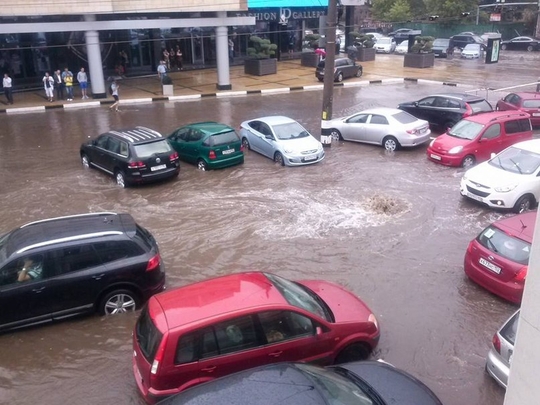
(260, 67)
(309, 59)
(365, 54)
(419, 60)
(168, 90)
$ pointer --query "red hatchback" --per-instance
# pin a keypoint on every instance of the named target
(498, 258)
(217, 327)
(527, 101)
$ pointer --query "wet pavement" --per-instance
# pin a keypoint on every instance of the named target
(327, 220)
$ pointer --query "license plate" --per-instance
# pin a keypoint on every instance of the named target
(474, 196)
(436, 157)
(536, 114)
(490, 266)
(309, 158)
(160, 167)
(227, 151)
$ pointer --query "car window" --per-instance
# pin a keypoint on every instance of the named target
(124, 150)
(113, 145)
(378, 119)
(509, 330)
(146, 150)
(499, 242)
(186, 349)
(34, 270)
(116, 250)
(236, 334)
(265, 129)
(441, 102)
(76, 258)
(517, 161)
(404, 117)
(358, 119)
(426, 102)
(148, 335)
(254, 125)
(195, 135)
(102, 142)
(531, 103)
(492, 131)
(181, 134)
(466, 129)
(512, 127)
(479, 106)
(283, 325)
(224, 138)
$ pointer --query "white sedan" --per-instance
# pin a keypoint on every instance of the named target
(281, 139)
(389, 127)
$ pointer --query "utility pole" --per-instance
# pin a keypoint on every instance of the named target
(328, 89)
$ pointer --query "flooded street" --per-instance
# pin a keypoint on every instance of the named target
(331, 220)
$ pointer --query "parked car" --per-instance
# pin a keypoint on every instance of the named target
(133, 156)
(446, 109)
(498, 258)
(60, 267)
(385, 45)
(360, 383)
(222, 325)
(440, 47)
(402, 48)
(520, 44)
(475, 138)
(460, 41)
(401, 34)
(509, 180)
(343, 69)
(502, 349)
(389, 127)
(376, 35)
(472, 51)
(528, 102)
(209, 145)
(281, 139)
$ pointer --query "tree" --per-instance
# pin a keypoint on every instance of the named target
(400, 11)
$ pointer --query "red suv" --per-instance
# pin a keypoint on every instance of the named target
(527, 101)
(498, 258)
(475, 138)
(217, 327)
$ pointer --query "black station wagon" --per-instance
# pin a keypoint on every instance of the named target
(343, 68)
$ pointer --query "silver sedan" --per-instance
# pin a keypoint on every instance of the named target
(281, 139)
(389, 127)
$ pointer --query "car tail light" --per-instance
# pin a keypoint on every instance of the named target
(468, 112)
(174, 156)
(470, 247)
(158, 358)
(212, 155)
(521, 274)
(136, 165)
(153, 263)
(496, 343)
(242, 147)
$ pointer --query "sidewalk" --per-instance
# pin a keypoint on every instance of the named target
(291, 76)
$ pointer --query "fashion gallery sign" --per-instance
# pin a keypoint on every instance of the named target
(283, 13)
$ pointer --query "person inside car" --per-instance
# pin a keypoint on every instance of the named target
(32, 269)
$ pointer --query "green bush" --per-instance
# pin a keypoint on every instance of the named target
(422, 44)
(262, 48)
(312, 40)
(362, 40)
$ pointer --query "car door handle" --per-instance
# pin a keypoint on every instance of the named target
(276, 354)
(209, 369)
(98, 277)
(38, 290)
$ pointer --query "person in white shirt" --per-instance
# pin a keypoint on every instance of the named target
(8, 88)
(161, 70)
(82, 78)
(48, 84)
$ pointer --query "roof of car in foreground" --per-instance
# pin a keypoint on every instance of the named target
(521, 226)
(460, 96)
(497, 116)
(383, 110)
(217, 296)
(532, 145)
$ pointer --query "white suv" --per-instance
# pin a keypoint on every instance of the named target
(509, 180)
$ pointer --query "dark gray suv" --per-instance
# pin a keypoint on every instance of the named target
(461, 41)
(61, 267)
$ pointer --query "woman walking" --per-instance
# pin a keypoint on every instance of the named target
(48, 83)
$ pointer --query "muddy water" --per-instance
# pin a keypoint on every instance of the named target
(390, 227)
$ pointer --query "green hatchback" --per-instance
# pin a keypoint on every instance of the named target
(209, 145)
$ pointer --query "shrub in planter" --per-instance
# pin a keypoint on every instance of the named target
(309, 58)
(261, 49)
(260, 60)
(421, 55)
(363, 44)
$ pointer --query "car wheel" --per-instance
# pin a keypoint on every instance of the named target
(354, 352)
(525, 203)
(118, 302)
(339, 77)
(390, 143)
(530, 48)
(468, 161)
(503, 47)
(120, 178)
(336, 135)
(85, 160)
(278, 158)
(245, 143)
(359, 72)
(201, 165)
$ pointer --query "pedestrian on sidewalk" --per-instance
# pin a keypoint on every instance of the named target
(48, 84)
(162, 70)
(179, 61)
(68, 80)
(114, 90)
(7, 83)
(82, 78)
(58, 84)
(166, 58)
(231, 50)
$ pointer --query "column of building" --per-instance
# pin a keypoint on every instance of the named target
(95, 66)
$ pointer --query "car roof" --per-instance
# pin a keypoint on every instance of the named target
(210, 127)
(274, 119)
(528, 95)
(520, 226)
(136, 135)
(459, 96)
(64, 229)
(382, 110)
(217, 296)
(491, 116)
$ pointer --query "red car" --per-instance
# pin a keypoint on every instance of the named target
(475, 138)
(217, 327)
(498, 258)
(527, 101)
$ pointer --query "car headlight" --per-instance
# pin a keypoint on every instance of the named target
(464, 178)
(287, 150)
(455, 149)
(431, 143)
(506, 188)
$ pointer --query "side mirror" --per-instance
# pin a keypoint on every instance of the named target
(269, 137)
(93, 142)
(493, 155)
(415, 103)
(482, 140)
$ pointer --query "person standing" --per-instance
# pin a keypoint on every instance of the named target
(58, 85)
(172, 58)
(161, 70)
(48, 84)
(68, 80)
(166, 57)
(114, 90)
(7, 83)
(82, 78)
(179, 65)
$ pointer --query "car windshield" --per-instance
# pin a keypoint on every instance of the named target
(290, 130)
(299, 296)
(479, 106)
(148, 336)
(145, 150)
(472, 47)
(508, 332)
(516, 160)
(335, 387)
(404, 117)
(223, 138)
(465, 129)
(531, 103)
(504, 245)
(384, 41)
(441, 42)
